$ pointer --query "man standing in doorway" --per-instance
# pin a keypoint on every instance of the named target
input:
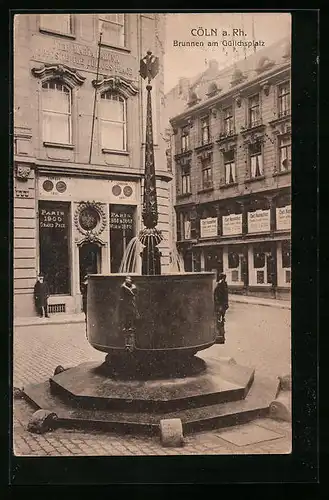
(41, 294)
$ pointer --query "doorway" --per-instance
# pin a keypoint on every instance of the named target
(89, 259)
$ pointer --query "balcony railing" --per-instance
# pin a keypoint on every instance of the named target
(284, 112)
(204, 143)
(227, 133)
(255, 123)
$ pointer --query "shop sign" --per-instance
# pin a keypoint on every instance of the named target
(52, 219)
(232, 224)
(209, 227)
(187, 230)
(259, 221)
(121, 221)
(283, 218)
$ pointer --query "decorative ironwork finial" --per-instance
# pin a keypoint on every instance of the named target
(149, 67)
(150, 237)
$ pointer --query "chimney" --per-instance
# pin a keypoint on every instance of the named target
(213, 66)
(183, 86)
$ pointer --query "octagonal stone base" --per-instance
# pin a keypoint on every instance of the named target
(223, 394)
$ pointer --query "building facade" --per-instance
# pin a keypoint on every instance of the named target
(233, 174)
(79, 148)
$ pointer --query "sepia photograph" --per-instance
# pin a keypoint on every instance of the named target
(151, 233)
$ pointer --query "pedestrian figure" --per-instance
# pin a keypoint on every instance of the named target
(128, 312)
(221, 306)
(83, 289)
(41, 294)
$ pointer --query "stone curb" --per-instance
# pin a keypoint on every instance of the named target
(53, 320)
(259, 302)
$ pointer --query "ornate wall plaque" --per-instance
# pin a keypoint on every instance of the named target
(90, 219)
(22, 172)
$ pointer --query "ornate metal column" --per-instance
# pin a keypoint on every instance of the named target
(150, 236)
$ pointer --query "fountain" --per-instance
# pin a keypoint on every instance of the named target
(151, 327)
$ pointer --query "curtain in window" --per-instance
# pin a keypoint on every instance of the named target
(285, 154)
(256, 166)
(205, 133)
(229, 173)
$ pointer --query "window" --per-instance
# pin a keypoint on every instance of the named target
(254, 111)
(213, 260)
(54, 230)
(186, 180)
(229, 164)
(228, 121)
(259, 259)
(260, 277)
(286, 254)
(256, 160)
(205, 131)
(206, 174)
(185, 226)
(113, 121)
(59, 23)
(284, 99)
(235, 275)
(284, 153)
(233, 260)
(112, 27)
(185, 140)
(56, 112)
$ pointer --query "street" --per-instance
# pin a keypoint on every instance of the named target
(257, 336)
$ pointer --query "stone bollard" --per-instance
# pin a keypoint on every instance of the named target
(18, 393)
(59, 369)
(285, 383)
(171, 432)
(42, 421)
(280, 408)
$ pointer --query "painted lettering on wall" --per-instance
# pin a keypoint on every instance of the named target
(81, 56)
(283, 218)
(209, 227)
(52, 219)
(258, 221)
(121, 221)
(232, 224)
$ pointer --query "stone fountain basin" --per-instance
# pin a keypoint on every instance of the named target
(176, 313)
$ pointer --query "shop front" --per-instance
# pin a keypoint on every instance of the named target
(80, 235)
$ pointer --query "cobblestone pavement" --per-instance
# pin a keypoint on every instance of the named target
(256, 336)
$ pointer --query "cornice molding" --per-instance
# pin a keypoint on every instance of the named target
(47, 71)
(116, 84)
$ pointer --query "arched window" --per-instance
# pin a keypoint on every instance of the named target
(56, 112)
(113, 121)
